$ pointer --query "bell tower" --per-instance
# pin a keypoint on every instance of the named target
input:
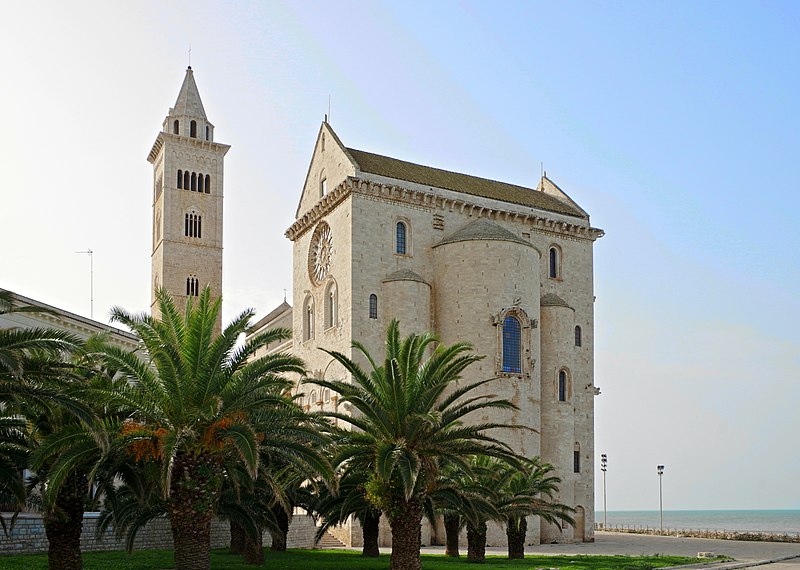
(187, 200)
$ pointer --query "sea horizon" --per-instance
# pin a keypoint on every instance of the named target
(742, 520)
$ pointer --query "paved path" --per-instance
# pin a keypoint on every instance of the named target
(640, 544)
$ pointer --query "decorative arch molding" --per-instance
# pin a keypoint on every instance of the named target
(563, 384)
(331, 304)
(514, 326)
(402, 236)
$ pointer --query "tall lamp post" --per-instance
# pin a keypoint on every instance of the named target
(660, 496)
(603, 467)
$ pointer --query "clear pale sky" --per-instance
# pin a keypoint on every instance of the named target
(675, 124)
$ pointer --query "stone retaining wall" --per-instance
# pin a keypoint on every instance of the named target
(28, 536)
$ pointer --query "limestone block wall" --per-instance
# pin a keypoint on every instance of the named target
(409, 301)
(28, 536)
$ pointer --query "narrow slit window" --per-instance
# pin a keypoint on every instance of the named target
(562, 386)
(373, 306)
(208, 184)
(578, 339)
(553, 263)
(200, 180)
(180, 179)
(187, 180)
(193, 129)
(194, 182)
(576, 460)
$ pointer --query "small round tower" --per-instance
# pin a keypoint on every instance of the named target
(488, 277)
(558, 414)
(408, 299)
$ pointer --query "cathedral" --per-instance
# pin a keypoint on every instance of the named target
(506, 268)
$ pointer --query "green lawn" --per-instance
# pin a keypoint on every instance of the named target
(345, 560)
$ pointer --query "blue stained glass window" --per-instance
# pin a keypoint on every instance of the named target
(512, 345)
(401, 238)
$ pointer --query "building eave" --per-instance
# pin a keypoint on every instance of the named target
(538, 220)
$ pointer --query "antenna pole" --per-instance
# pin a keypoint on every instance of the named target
(190, 54)
(91, 281)
(329, 107)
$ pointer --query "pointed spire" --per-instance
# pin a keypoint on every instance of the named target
(189, 103)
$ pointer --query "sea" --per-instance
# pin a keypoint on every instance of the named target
(770, 521)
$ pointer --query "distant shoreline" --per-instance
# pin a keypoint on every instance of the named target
(750, 536)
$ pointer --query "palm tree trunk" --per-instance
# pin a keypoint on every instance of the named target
(193, 494)
(279, 536)
(452, 526)
(64, 524)
(237, 538)
(406, 524)
(476, 542)
(253, 548)
(369, 531)
(515, 532)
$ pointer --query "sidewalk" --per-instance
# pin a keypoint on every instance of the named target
(611, 543)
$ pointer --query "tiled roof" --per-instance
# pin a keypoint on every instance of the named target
(482, 229)
(553, 300)
(435, 177)
(403, 275)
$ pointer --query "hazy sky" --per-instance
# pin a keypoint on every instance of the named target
(675, 124)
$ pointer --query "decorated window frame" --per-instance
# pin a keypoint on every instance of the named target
(513, 325)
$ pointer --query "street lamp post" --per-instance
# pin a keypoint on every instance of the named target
(660, 496)
(603, 467)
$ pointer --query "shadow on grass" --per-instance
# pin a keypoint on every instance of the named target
(345, 560)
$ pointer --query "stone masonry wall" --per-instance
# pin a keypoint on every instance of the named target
(28, 536)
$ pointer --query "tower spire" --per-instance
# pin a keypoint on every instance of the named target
(189, 103)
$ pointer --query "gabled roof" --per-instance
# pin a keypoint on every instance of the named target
(482, 229)
(189, 102)
(435, 177)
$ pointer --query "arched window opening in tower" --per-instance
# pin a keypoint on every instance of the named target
(180, 179)
(200, 180)
(208, 184)
(578, 339)
(176, 127)
(194, 182)
(323, 187)
(193, 129)
(208, 133)
(187, 180)
(193, 225)
(192, 287)
(400, 238)
(562, 386)
(512, 345)
(373, 306)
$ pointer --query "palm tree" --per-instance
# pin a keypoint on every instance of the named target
(529, 491)
(32, 363)
(409, 419)
(69, 456)
(199, 406)
(335, 508)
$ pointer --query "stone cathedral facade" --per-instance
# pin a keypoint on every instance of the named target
(505, 268)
